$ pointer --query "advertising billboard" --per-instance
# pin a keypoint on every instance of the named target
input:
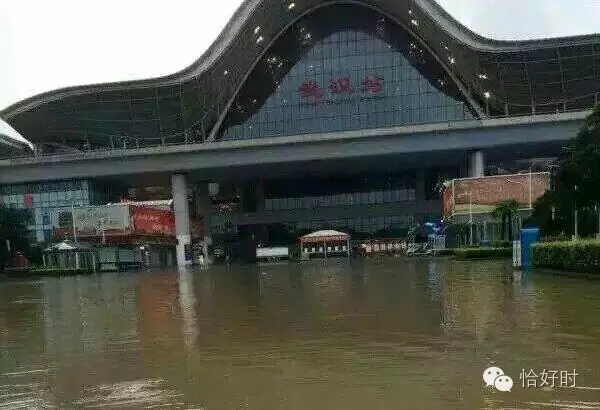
(94, 220)
(481, 195)
(152, 221)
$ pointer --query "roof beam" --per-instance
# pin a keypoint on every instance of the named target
(531, 98)
(500, 75)
(562, 81)
(162, 137)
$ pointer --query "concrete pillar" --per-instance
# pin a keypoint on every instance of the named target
(476, 164)
(182, 217)
(420, 185)
(260, 195)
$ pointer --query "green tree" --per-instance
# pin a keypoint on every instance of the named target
(13, 232)
(506, 211)
(576, 185)
(579, 166)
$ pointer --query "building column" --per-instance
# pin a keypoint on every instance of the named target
(182, 217)
(260, 195)
(420, 185)
(476, 164)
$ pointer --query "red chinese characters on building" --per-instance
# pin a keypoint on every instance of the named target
(343, 85)
(373, 84)
(152, 221)
(340, 85)
(310, 89)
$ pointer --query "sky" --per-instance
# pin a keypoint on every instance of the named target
(50, 44)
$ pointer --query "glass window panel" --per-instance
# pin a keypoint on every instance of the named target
(368, 80)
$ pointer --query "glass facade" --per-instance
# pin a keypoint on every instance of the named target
(343, 68)
(398, 224)
(360, 198)
(50, 202)
(315, 193)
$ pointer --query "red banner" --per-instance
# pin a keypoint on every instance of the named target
(152, 221)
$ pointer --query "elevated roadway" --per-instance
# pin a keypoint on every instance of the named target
(410, 146)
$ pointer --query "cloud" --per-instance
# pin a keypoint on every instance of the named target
(52, 44)
(526, 19)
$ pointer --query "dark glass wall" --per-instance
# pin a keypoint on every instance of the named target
(352, 190)
(434, 178)
(343, 68)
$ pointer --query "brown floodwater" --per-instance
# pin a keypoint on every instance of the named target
(387, 334)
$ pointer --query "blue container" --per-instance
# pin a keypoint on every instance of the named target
(529, 236)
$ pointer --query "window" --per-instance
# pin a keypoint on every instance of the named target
(352, 77)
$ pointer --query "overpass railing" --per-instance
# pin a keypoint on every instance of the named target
(170, 147)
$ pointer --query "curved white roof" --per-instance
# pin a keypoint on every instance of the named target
(9, 136)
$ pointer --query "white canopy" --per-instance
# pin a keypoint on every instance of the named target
(325, 235)
(67, 246)
(10, 136)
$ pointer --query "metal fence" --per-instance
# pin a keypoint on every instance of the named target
(125, 151)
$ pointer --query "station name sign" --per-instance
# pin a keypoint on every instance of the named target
(340, 89)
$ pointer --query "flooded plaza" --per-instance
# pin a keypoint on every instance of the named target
(340, 334)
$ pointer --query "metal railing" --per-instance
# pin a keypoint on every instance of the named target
(168, 147)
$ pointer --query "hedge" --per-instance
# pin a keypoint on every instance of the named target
(482, 253)
(444, 252)
(581, 256)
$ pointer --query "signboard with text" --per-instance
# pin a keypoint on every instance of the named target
(481, 195)
(95, 219)
(339, 89)
(152, 221)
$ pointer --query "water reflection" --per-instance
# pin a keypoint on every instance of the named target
(332, 334)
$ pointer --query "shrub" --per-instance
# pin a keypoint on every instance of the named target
(557, 238)
(580, 257)
(482, 253)
(444, 252)
(501, 244)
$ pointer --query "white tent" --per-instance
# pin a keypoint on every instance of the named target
(324, 242)
(70, 255)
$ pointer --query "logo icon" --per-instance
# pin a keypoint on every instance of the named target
(495, 377)
(503, 383)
